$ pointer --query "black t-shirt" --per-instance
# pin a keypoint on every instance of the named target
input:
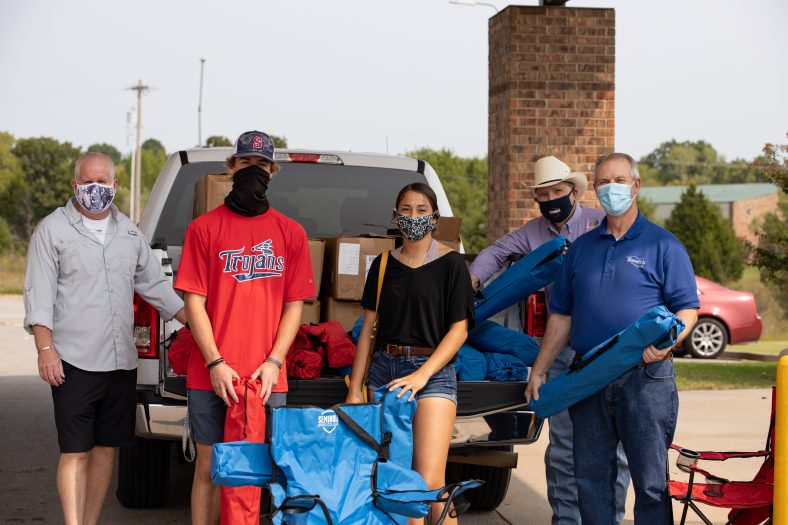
(419, 305)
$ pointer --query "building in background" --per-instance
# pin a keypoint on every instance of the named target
(739, 203)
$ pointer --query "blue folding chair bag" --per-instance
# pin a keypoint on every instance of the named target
(604, 363)
(489, 336)
(504, 367)
(398, 421)
(241, 463)
(523, 278)
(470, 364)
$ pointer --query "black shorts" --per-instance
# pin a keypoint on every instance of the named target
(95, 408)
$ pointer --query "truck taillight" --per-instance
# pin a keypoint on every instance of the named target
(146, 329)
(320, 158)
(536, 315)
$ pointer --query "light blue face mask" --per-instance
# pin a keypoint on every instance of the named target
(615, 198)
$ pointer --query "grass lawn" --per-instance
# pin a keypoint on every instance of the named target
(12, 273)
(724, 376)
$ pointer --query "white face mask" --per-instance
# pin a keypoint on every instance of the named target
(95, 197)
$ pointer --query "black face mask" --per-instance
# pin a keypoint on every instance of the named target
(247, 197)
(557, 210)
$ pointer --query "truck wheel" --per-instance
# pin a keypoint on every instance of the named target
(496, 483)
(144, 473)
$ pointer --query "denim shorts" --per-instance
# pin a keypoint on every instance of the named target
(386, 368)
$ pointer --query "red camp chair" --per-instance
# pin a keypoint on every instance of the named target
(750, 501)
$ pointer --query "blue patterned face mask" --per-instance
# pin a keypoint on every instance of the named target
(95, 197)
(416, 228)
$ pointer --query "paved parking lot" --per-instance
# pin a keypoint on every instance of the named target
(720, 420)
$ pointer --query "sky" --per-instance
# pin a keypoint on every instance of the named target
(371, 75)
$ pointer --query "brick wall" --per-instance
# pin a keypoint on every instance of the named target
(552, 85)
(744, 212)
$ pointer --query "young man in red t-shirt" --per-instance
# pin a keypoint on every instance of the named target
(245, 270)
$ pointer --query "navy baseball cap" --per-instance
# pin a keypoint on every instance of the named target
(254, 144)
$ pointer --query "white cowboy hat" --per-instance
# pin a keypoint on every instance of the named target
(550, 171)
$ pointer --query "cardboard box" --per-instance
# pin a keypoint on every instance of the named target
(346, 263)
(316, 251)
(448, 230)
(346, 312)
(210, 191)
(311, 312)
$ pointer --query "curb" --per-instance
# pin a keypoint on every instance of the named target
(751, 356)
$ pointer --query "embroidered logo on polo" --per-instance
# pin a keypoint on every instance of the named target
(590, 225)
(262, 263)
(638, 262)
(328, 421)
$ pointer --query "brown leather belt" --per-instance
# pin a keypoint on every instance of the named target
(397, 350)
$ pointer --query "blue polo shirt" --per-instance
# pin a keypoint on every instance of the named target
(605, 284)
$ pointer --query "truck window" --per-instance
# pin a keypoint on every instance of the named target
(327, 200)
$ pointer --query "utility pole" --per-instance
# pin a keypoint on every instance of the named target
(136, 184)
(199, 106)
(130, 116)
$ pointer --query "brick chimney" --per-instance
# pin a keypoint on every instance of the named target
(552, 92)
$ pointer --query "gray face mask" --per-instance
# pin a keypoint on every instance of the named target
(95, 197)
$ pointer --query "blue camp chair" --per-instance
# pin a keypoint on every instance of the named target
(490, 337)
(350, 464)
(601, 365)
(529, 274)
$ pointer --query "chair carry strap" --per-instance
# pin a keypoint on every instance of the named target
(381, 448)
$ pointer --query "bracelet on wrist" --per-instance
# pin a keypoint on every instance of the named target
(47, 347)
(275, 362)
(214, 363)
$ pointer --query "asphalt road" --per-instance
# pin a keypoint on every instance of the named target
(720, 420)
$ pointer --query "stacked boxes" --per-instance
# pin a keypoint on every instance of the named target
(345, 267)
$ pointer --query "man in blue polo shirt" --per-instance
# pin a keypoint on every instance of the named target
(611, 276)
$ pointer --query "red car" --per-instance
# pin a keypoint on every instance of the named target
(725, 316)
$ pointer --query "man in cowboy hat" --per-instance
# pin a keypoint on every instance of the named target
(557, 191)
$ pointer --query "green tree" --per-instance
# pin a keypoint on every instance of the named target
(693, 162)
(465, 182)
(48, 168)
(107, 149)
(715, 251)
(647, 208)
(153, 145)
(279, 142)
(771, 254)
(6, 239)
(217, 141)
(153, 158)
(12, 183)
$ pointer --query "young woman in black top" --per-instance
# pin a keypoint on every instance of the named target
(424, 313)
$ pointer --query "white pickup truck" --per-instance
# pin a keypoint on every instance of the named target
(330, 193)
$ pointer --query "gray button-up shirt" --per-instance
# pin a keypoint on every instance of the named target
(529, 237)
(83, 290)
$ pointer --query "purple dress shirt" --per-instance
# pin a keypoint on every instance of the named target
(529, 237)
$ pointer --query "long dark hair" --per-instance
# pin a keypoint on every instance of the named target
(419, 187)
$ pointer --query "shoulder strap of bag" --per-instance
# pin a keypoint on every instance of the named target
(384, 257)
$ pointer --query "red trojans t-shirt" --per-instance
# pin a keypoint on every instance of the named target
(247, 267)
